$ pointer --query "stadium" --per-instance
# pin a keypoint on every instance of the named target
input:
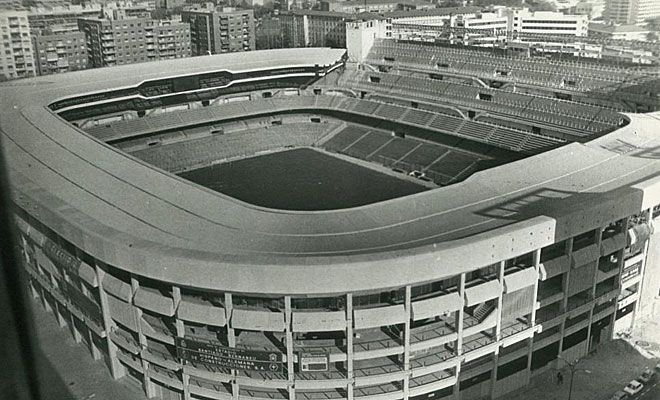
(282, 224)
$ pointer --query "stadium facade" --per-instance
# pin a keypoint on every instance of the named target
(460, 292)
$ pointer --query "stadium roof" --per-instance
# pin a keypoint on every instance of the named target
(164, 227)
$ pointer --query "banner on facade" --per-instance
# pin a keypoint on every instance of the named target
(198, 351)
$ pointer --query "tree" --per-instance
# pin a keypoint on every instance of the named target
(652, 36)
(506, 3)
(451, 3)
(541, 5)
(263, 11)
(653, 24)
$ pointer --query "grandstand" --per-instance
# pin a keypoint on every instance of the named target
(442, 164)
(531, 244)
(179, 148)
(450, 114)
(623, 88)
(582, 121)
(179, 156)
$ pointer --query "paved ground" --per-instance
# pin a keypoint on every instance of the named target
(611, 367)
(67, 370)
(647, 335)
(650, 392)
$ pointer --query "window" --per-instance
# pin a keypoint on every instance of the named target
(574, 339)
(512, 367)
(474, 380)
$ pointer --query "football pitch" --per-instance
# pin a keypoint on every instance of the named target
(301, 179)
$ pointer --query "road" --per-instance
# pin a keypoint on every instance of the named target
(650, 391)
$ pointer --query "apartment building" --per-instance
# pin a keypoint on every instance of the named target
(377, 6)
(132, 40)
(631, 11)
(42, 18)
(220, 30)
(328, 28)
(16, 60)
(60, 48)
(303, 28)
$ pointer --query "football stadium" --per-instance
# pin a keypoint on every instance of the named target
(436, 222)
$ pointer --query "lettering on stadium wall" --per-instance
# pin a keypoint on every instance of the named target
(202, 352)
(61, 257)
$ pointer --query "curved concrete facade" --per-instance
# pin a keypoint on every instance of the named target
(455, 292)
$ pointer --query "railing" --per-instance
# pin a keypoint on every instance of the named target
(547, 315)
(514, 328)
(376, 344)
(477, 343)
(575, 302)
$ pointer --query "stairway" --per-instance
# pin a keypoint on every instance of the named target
(482, 311)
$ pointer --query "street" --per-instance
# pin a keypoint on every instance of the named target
(650, 391)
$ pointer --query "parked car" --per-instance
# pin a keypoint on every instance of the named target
(647, 376)
(620, 395)
(633, 387)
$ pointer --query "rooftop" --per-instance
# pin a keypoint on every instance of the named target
(392, 14)
(617, 28)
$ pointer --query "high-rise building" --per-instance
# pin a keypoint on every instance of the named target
(303, 28)
(220, 30)
(631, 11)
(60, 48)
(546, 23)
(16, 60)
(127, 41)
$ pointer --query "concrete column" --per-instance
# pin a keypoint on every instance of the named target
(493, 373)
(459, 317)
(149, 386)
(537, 267)
(231, 341)
(61, 321)
(116, 369)
(45, 303)
(599, 240)
(457, 387)
(498, 329)
(532, 318)
(565, 282)
(349, 345)
(498, 326)
(93, 348)
(33, 290)
(640, 285)
(406, 343)
(76, 333)
(180, 332)
(291, 375)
